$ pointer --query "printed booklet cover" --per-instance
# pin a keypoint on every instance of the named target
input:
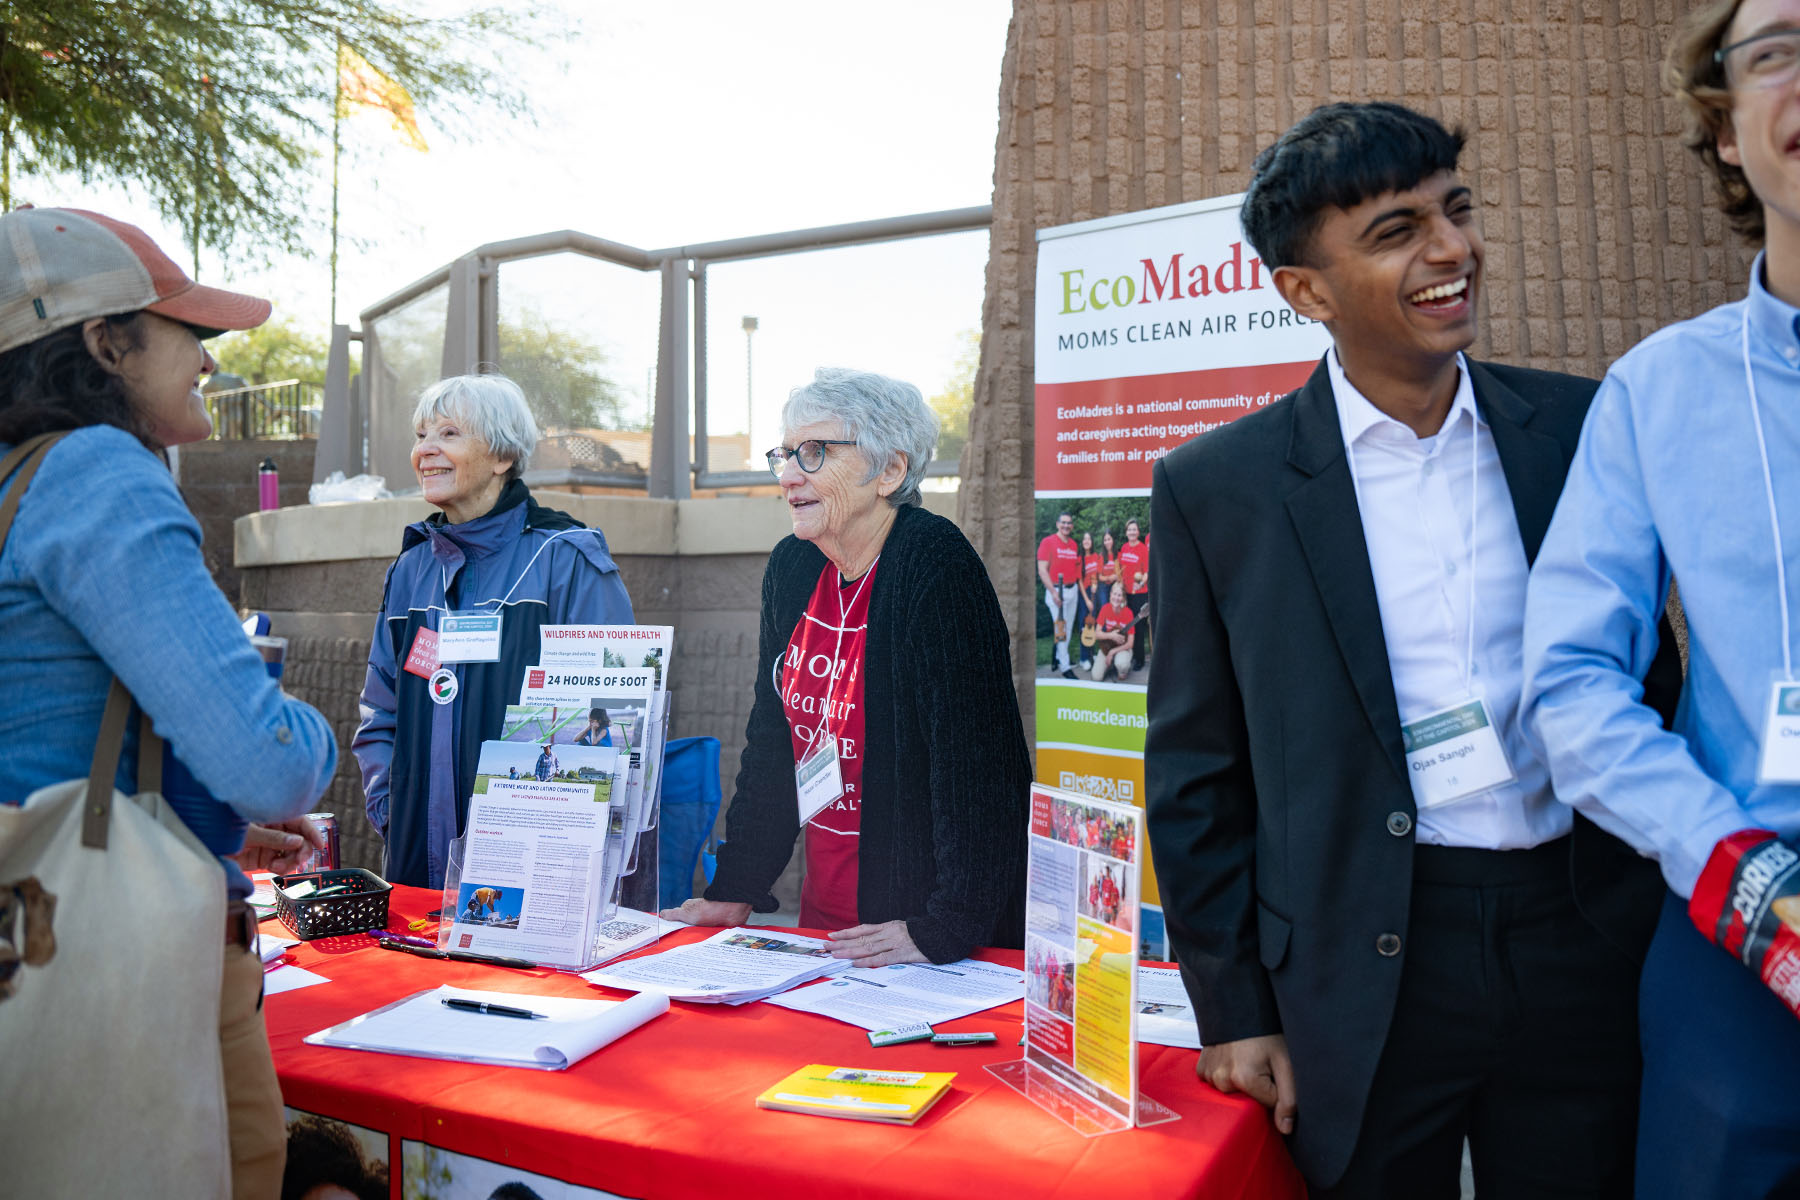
(891, 1097)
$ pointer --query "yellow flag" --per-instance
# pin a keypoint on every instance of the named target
(361, 86)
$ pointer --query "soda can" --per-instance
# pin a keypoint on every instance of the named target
(327, 859)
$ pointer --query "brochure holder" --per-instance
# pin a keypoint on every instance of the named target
(565, 806)
(1080, 1063)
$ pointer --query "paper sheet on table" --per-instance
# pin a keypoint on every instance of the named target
(909, 993)
(272, 948)
(288, 979)
(424, 1027)
(734, 966)
(1164, 1015)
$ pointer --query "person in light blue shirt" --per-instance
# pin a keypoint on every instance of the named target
(1688, 475)
(101, 576)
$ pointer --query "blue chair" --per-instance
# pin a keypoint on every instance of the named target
(690, 805)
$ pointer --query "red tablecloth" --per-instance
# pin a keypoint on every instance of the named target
(668, 1111)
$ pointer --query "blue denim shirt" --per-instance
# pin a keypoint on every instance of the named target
(1668, 482)
(101, 575)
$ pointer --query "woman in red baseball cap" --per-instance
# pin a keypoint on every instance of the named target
(101, 578)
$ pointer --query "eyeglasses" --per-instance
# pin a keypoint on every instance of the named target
(1766, 60)
(810, 454)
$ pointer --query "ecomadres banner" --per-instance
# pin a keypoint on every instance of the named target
(1152, 328)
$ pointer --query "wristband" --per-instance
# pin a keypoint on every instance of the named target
(1747, 902)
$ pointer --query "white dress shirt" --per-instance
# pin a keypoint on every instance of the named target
(1414, 496)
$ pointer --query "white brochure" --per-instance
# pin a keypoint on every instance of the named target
(533, 874)
(908, 993)
(1164, 1015)
(733, 966)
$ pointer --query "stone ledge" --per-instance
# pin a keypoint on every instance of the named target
(634, 525)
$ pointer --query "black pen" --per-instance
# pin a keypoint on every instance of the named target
(460, 956)
(492, 1010)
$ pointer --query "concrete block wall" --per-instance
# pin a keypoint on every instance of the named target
(1600, 226)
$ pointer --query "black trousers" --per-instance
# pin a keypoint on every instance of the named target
(1516, 1028)
(1141, 645)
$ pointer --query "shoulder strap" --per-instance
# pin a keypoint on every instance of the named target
(26, 458)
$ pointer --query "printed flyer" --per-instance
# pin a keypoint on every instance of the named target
(536, 851)
(1081, 917)
(1152, 328)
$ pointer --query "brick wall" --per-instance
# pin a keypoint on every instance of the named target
(1599, 224)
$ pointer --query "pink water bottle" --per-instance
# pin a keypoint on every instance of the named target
(268, 486)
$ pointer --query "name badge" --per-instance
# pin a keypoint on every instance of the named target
(818, 779)
(1780, 758)
(1454, 753)
(469, 637)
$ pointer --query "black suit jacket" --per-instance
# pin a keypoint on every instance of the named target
(1280, 815)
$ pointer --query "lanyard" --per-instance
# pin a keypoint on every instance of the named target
(1474, 517)
(1762, 448)
(444, 573)
(823, 725)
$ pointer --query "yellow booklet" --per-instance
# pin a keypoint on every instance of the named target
(893, 1097)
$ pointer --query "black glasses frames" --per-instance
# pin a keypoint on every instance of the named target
(810, 454)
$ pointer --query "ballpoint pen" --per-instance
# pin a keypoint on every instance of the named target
(492, 1010)
(385, 935)
(458, 956)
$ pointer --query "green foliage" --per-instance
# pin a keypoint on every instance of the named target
(564, 376)
(1095, 515)
(273, 351)
(221, 110)
(953, 403)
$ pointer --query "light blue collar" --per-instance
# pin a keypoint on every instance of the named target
(1776, 322)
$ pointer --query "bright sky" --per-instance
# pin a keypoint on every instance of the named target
(681, 122)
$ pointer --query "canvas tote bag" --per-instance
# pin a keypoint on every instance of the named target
(112, 917)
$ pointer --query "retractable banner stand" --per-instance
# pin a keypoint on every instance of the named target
(1152, 328)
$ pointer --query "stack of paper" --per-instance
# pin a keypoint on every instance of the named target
(908, 993)
(734, 966)
(560, 1032)
(892, 1097)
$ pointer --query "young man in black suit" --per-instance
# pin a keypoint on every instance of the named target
(1392, 933)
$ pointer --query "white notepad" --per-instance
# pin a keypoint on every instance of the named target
(423, 1026)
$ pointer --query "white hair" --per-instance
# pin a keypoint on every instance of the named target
(883, 416)
(494, 409)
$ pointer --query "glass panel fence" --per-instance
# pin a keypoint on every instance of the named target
(579, 336)
(406, 356)
(910, 309)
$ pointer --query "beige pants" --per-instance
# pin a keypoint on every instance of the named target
(253, 1110)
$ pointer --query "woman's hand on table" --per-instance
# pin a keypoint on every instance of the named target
(880, 945)
(708, 912)
(280, 847)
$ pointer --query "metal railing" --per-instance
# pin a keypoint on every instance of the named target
(364, 429)
(286, 409)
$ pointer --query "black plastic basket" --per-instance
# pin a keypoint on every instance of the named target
(363, 908)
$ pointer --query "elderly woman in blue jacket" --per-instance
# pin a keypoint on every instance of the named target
(490, 551)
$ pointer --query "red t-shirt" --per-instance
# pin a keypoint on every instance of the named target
(823, 673)
(1063, 555)
(1090, 569)
(1110, 618)
(1134, 557)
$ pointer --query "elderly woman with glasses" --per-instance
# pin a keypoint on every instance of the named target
(492, 554)
(885, 722)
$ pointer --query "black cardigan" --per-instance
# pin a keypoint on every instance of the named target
(946, 776)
